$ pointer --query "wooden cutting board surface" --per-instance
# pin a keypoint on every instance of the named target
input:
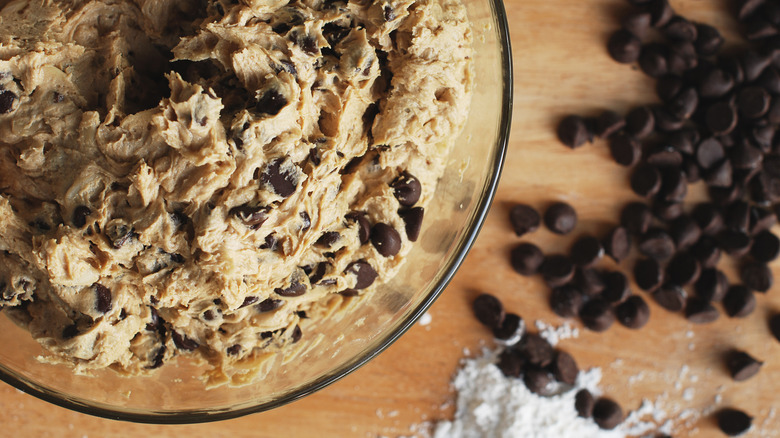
(561, 67)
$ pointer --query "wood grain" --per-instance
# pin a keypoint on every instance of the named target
(561, 67)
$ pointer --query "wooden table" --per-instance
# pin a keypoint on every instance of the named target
(561, 67)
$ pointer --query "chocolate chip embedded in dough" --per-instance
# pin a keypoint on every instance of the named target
(252, 216)
(103, 298)
(159, 355)
(295, 289)
(413, 219)
(305, 221)
(248, 301)
(407, 189)
(328, 238)
(7, 99)
(70, 331)
(182, 342)
(271, 102)
(234, 350)
(283, 183)
(385, 239)
(80, 215)
(364, 272)
(268, 305)
(364, 226)
(296, 335)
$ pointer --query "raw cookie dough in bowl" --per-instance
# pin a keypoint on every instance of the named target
(212, 208)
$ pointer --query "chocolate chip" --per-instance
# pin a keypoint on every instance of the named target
(633, 313)
(557, 270)
(234, 350)
(617, 243)
(526, 259)
(364, 272)
(407, 189)
(586, 251)
(739, 302)
(560, 218)
(674, 185)
(413, 219)
(565, 368)
(583, 403)
(679, 28)
(80, 215)
(708, 39)
(766, 247)
(182, 342)
(295, 289)
(268, 305)
(511, 363)
(656, 244)
(741, 365)
(756, 276)
(712, 285)
(683, 269)
(761, 220)
(328, 238)
(537, 380)
(588, 281)
(271, 102)
(667, 211)
(754, 63)
(715, 83)
(607, 414)
(70, 332)
(652, 60)
(700, 311)
(745, 156)
(668, 87)
(103, 298)
(624, 47)
(566, 301)
(640, 122)
(536, 350)
(573, 131)
(721, 118)
(774, 326)
(684, 104)
(684, 231)
(681, 57)
(720, 175)
(524, 219)
(385, 239)
(708, 217)
(296, 335)
(283, 182)
(511, 325)
(646, 180)
(737, 216)
(636, 216)
(597, 315)
(670, 297)
(648, 274)
(616, 287)
(608, 123)
(753, 102)
(625, 150)
(748, 7)
(253, 216)
(364, 226)
(7, 99)
(735, 243)
(489, 311)
(733, 422)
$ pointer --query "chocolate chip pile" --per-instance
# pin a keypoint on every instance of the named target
(544, 369)
(715, 124)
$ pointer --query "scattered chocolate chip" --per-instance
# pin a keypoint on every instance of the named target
(511, 325)
(283, 182)
(739, 302)
(617, 243)
(756, 276)
(741, 365)
(633, 313)
(489, 311)
(624, 47)
(524, 219)
(588, 281)
(656, 244)
(583, 403)
(566, 301)
(648, 274)
(526, 259)
(708, 39)
(670, 297)
(536, 349)
(721, 118)
(684, 231)
(766, 247)
(711, 285)
(511, 363)
(573, 132)
(413, 219)
(607, 414)
(364, 272)
(715, 83)
(733, 422)
(597, 315)
(735, 243)
(560, 218)
(646, 180)
(679, 28)
(565, 368)
(557, 270)
(753, 102)
(537, 380)
(774, 326)
(407, 189)
(385, 239)
(653, 60)
(616, 287)
(636, 217)
(586, 251)
(708, 217)
(608, 123)
(664, 157)
(700, 311)
(640, 122)
(683, 269)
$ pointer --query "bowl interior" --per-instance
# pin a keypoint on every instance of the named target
(176, 395)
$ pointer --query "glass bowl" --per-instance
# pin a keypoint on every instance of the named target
(176, 395)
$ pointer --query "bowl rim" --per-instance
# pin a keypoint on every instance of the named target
(462, 250)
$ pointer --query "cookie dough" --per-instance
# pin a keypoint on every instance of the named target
(194, 178)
